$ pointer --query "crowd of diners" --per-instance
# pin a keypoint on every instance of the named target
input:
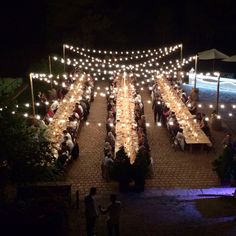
(68, 149)
(167, 118)
(110, 157)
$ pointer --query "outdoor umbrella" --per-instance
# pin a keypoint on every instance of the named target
(230, 59)
(211, 54)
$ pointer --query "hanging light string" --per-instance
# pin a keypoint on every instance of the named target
(58, 80)
(101, 68)
(146, 55)
(131, 54)
(22, 109)
(88, 63)
(109, 63)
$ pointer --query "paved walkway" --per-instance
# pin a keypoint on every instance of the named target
(148, 213)
(171, 169)
(176, 169)
(86, 171)
(181, 212)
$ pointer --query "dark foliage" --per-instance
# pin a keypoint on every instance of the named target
(24, 154)
(225, 165)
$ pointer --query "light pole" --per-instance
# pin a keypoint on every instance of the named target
(50, 68)
(64, 56)
(217, 92)
(195, 77)
(181, 53)
(50, 64)
(181, 60)
(32, 93)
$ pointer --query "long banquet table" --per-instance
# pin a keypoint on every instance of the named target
(126, 133)
(192, 132)
(66, 107)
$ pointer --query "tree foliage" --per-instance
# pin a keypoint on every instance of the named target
(25, 155)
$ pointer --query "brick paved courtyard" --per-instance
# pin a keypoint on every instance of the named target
(171, 169)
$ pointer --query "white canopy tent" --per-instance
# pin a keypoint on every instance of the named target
(211, 54)
(230, 59)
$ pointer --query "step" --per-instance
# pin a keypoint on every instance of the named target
(185, 193)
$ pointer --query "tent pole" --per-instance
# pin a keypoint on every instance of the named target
(218, 94)
(195, 78)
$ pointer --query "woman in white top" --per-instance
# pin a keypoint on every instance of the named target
(180, 139)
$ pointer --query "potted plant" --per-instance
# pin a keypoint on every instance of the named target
(224, 165)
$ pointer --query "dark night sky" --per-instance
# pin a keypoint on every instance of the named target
(31, 30)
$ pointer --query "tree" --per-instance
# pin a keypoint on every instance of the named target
(224, 165)
(25, 156)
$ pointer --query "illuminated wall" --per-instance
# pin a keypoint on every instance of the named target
(208, 81)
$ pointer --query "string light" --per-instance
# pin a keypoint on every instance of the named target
(129, 54)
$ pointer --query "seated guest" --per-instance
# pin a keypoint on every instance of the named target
(50, 113)
(85, 109)
(66, 134)
(174, 129)
(72, 126)
(184, 98)
(180, 139)
(76, 115)
(63, 155)
(138, 108)
(138, 98)
(110, 104)
(79, 110)
(171, 120)
(43, 98)
(110, 122)
(86, 101)
(204, 125)
(60, 94)
(193, 108)
(75, 151)
(188, 102)
(165, 114)
(140, 132)
(111, 139)
(199, 117)
(69, 143)
(113, 130)
(137, 116)
(142, 123)
(145, 142)
(54, 106)
(107, 148)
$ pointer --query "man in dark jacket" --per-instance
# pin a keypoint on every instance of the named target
(157, 109)
(91, 212)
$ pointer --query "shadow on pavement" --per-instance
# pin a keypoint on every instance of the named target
(216, 207)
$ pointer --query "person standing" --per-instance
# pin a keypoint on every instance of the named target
(157, 109)
(91, 212)
(113, 210)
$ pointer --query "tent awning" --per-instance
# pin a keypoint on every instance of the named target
(211, 55)
(230, 59)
